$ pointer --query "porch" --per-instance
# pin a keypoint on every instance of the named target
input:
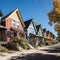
(13, 32)
(3, 35)
(48, 41)
(37, 40)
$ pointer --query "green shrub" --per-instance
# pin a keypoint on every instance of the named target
(21, 41)
(24, 45)
(3, 49)
(18, 39)
(15, 39)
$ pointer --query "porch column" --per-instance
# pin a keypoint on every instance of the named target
(43, 41)
(6, 35)
(0, 35)
(18, 34)
(37, 41)
(25, 35)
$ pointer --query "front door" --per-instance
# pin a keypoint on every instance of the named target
(15, 34)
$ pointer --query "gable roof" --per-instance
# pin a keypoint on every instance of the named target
(44, 30)
(27, 23)
(18, 13)
(47, 31)
(37, 27)
(7, 15)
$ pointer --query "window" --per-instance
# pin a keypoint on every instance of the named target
(15, 24)
(18, 25)
(31, 30)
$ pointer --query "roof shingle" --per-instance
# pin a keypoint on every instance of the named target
(38, 26)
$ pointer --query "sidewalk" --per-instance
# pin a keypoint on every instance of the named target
(18, 53)
(26, 52)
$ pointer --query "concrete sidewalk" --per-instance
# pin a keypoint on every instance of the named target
(31, 51)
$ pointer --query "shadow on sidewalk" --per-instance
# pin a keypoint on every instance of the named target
(52, 49)
(37, 56)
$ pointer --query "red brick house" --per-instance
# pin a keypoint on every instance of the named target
(14, 23)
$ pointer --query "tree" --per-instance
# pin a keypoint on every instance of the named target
(54, 16)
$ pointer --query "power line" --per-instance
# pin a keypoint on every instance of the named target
(49, 3)
(42, 6)
(42, 3)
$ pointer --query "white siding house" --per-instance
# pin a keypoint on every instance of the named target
(30, 28)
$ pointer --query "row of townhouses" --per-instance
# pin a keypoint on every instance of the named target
(12, 25)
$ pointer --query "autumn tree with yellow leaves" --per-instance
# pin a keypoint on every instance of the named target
(54, 16)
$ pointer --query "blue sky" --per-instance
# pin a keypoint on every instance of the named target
(36, 9)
